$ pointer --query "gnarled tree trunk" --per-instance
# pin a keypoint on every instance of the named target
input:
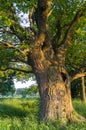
(56, 99)
(47, 61)
(54, 88)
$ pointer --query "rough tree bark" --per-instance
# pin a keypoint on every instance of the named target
(83, 96)
(47, 62)
(54, 88)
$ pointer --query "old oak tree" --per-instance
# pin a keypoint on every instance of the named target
(41, 48)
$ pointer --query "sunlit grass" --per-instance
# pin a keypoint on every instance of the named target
(80, 107)
(23, 114)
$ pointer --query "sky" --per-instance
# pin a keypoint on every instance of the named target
(19, 84)
(24, 19)
(25, 23)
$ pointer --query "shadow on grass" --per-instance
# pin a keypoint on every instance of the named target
(7, 110)
(21, 108)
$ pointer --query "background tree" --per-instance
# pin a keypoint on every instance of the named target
(83, 89)
(7, 85)
(24, 93)
(76, 88)
(41, 48)
(32, 90)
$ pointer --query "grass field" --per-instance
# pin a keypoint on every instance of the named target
(23, 114)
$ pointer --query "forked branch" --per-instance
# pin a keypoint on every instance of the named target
(71, 26)
(79, 75)
(41, 18)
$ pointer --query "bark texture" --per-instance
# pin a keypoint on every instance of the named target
(47, 59)
(83, 96)
(54, 87)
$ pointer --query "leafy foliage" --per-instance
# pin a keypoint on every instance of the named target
(32, 90)
(6, 56)
(12, 32)
(7, 85)
(76, 88)
(76, 56)
(56, 31)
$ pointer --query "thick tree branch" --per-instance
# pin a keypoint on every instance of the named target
(51, 10)
(79, 75)
(61, 50)
(57, 36)
(31, 18)
(70, 28)
(41, 18)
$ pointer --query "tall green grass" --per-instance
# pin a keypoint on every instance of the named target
(23, 114)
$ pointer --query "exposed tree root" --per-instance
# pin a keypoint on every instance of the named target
(76, 118)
